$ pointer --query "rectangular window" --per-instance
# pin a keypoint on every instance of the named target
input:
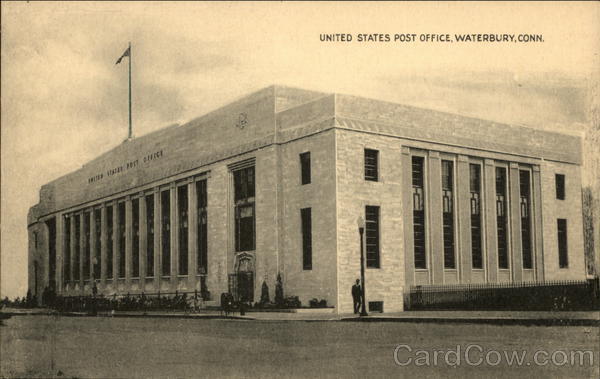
(418, 213)
(243, 181)
(501, 219)
(76, 266)
(121, 235)
(372, 236)
(475, 189)
(97, 243)
(182, 214)
(135, 248)
(245, 235)
(165, 211)
(305, 167)
(448, 213)
(560, 186)
(306, 216)
(371, 165)
(109, 242)
(150, 235)
(86, 245)
(563, 253)
(67, 252)
(525, 205)
(202, 241)
(51, 224)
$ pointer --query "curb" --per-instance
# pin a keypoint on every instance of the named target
(436, 320)
(492, 321)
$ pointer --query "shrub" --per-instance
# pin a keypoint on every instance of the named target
(279, 300)
(292, 302)
(264, 294)
(315, 303)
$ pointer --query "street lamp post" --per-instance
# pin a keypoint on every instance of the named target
(361, 231)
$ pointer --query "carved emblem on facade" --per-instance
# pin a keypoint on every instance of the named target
(242, 121)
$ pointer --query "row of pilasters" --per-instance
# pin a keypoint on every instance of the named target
(120, 283)
(464, 272)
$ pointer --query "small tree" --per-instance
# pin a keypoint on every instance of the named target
(264, 294)
(279, 300)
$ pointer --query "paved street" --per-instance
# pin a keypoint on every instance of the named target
(40, 346)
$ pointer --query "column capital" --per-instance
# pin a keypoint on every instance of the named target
(463, 158)
(535, 168)
(488, 162)
(405, 150)
(514, 166)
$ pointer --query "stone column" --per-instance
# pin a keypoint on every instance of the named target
(490, 227)
(536, 208)
(174, 235)
(115, 241)
(192, 234)
(103, 245)
(143, 245)
(73, 252)
(157, 239)
(92, 242)
(407, 217)
(81, 251)
(515, 224)
(463, 209)
(434, 216)
(128, 241)
(59, 220)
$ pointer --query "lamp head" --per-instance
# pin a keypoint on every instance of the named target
(360, 221)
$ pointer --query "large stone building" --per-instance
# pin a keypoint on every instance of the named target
(275, 183)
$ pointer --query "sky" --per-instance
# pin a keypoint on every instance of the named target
(64, 101)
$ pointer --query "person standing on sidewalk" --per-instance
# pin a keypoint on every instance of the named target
(356, 296)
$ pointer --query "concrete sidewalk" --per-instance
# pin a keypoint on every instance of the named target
(591, 318)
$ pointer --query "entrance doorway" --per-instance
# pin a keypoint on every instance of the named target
(241, 282)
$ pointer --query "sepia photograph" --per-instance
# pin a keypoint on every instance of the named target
(300, 189)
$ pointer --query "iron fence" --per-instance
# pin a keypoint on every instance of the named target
(541, 296)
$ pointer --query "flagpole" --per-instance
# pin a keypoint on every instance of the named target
(130, 127)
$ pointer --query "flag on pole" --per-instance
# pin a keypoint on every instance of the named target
(125, 54)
